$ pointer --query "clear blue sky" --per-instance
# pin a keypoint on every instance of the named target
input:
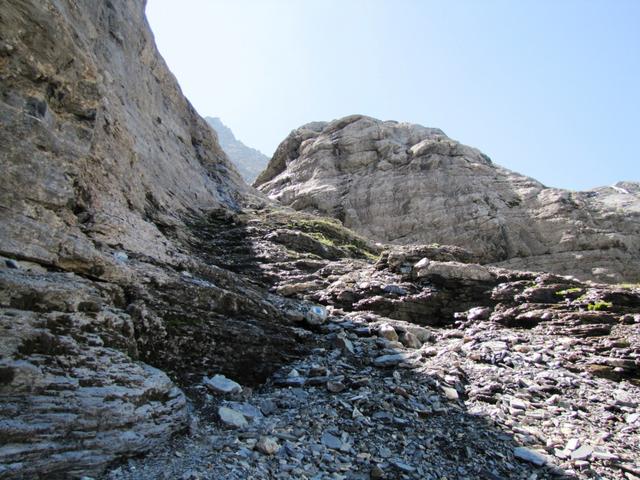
(548, 88)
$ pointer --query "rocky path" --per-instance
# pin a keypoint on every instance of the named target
(477, 401)
(426, 366)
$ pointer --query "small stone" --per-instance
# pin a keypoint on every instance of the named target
(344, 344)
(529, 456)
(478, 313)
(409, 340)
(232, 418)
(518, 404)
(582, 453)
(267, 445)
(391, 359)
(120, 257)
(221, 384)
(291, 382)
(250, 412)
(268, 406)
(572, 444)
(632, 417)
(395, 290)
(450, 393)
(388, 332)
(331, 441)
(376, 473)
(335, 387)
(405, 467)
(605, 456)
(11, 264)
(316, 315)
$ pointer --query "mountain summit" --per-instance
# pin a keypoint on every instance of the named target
(249, 161)
(403, 183)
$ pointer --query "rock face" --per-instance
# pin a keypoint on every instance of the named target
(100, 148)
(402, 183)
(137, 272)
(107, 175)
(71, 397)
(249, 161)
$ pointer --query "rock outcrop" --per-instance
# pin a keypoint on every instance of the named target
(249, 161)
(403, 183)
(145, 290)
(107, 174)
(428, 366)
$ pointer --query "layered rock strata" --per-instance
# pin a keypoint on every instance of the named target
(403, 183)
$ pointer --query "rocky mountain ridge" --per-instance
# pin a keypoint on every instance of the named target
(249, 161)
(151, 303)
(402, 183)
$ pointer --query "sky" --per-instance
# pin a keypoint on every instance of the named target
(548, 88)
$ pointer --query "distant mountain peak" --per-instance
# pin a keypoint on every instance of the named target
(249, 161)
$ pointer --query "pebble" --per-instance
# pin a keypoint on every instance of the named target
(410, 340)
(120, 257)
(316, 315)
(387, 331)
(232, 418)
(582, 453)
(335, 387)
(450, 393)
(572, 444)
(11, 264)
(530, 456)
(221, 384)
(331, 441)
(392, 359)
(344, 344)
(267, 445)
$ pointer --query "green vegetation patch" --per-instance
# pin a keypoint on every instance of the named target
(568, 291)
(599, 305)
(327, 231)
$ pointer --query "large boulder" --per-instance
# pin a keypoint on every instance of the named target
(72, 396)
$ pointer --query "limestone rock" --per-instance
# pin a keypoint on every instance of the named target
(452, 271)
(73, 397)
(110, 179)
(232, 418)
(100, 150)
(403, 183)
(387, 331)
(222, 384)
(267, 445)
(529, 455)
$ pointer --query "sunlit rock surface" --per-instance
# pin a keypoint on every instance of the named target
(404, 183)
